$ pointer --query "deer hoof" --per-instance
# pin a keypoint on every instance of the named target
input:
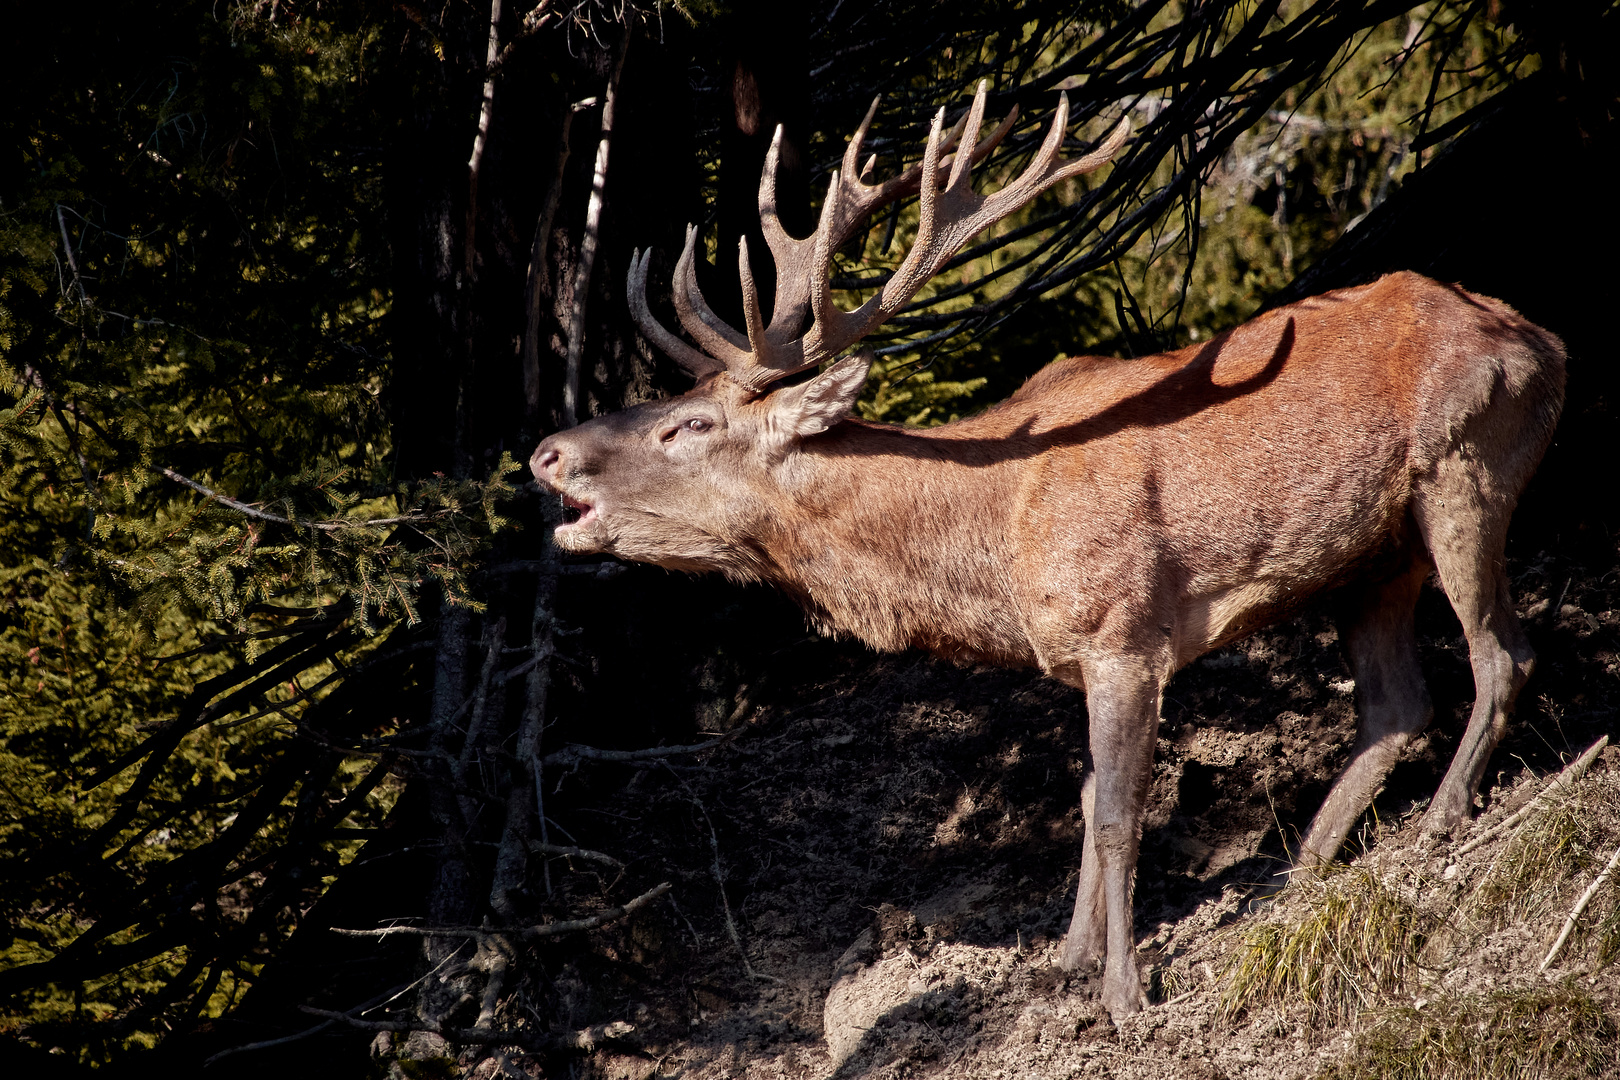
(1123, 994)
(1124, 1001)
(1445, 814)
(1079, 954)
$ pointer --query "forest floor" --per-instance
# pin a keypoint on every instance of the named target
(899, 839)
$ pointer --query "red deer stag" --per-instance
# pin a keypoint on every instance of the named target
(1113, 519)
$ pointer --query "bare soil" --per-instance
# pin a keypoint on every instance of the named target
(898, 841)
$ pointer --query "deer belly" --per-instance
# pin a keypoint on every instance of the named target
(1214, 619)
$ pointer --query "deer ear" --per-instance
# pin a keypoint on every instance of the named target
(813, 407)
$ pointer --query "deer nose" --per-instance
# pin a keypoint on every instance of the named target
(545, 462)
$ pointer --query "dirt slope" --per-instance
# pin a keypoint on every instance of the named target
(898, 841)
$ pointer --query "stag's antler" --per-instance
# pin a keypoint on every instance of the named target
(949, 217)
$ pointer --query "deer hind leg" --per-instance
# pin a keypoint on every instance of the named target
(1122, 698)
(1464, 517)
(1380, 643)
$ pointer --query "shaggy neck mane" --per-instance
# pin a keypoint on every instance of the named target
(879, 544)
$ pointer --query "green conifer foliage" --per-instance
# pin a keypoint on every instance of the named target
(202, 526)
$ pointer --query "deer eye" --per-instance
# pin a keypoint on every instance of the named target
(697, 425)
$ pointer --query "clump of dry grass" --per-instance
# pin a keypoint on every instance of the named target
(1608, 935)
(1176, 980)
(1339, 939)
(1536, 865)
(1548, 861)
(1356, 944)
(1524, 1035)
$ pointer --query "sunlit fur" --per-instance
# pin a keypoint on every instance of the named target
(1114, 519)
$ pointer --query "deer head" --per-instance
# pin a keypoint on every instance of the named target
(688, 483)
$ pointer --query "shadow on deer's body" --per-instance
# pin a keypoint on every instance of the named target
(1112, 520)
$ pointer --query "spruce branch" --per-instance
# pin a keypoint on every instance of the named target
(72, 260)
(323, 526)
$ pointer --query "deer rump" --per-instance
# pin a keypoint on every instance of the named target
(1113, 519)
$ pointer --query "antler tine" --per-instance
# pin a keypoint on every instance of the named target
(910, 181)
(826, 314)
(1053, 143)
(835, 329)
(792, 257)
(928, 200)
(852, 152)
(954, 139)
(962, 164)
(1047, 169)
(696, 362)
(993, 140)
(712, 333)
(757, 343)
(1101, 156)
(770, 222)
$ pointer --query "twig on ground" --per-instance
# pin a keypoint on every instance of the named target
(541, 848)
(307, 1032)
(571, 755)
(1571, 773)
(720, 882)
(1552, 612)
(570, 926)
(697, 942)
(495, 957)
(527, 933)
(585, 1039)
(1580, 906)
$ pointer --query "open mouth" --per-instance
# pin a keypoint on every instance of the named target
(576, 512)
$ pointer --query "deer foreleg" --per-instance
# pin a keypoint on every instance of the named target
(1122, 697)
(1085, 945)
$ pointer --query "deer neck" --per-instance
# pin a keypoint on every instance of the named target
(895, 537)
